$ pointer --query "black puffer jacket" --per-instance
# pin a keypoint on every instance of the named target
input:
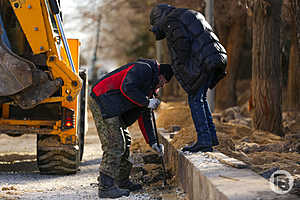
(197, 55)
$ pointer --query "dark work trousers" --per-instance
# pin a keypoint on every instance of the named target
(203, 121)
(115, 143)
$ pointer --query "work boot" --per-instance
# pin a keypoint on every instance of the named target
(196, 147)
(127, 184)
(107, 188)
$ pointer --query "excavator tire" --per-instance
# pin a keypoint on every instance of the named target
(56, 158)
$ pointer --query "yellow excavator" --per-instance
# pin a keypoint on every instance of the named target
(43, 90)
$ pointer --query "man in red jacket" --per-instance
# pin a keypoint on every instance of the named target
(117, 101)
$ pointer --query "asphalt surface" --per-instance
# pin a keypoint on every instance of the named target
(20, 178)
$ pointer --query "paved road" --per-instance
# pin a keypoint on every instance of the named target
(20, 179)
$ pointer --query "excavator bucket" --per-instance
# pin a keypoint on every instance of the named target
(15, 72)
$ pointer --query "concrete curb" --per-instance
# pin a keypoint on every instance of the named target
(203, 176)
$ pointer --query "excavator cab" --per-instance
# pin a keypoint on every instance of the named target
(43, 90)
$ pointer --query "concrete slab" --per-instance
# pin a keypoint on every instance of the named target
(215, 176)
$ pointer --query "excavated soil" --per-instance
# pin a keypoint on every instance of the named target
(263, 151)
(147, 170)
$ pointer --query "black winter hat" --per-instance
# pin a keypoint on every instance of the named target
(166, 71)
(157, 16)
(159, 12)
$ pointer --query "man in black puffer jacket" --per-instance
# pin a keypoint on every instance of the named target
(198, 63)
(117, 101)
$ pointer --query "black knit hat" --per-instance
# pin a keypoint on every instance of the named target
(166, 71)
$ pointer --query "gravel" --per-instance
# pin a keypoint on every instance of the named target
(20, 179)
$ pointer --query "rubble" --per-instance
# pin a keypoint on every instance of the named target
(261, 150)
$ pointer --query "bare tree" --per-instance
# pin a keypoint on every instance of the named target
(230, 23)
(293, 91)
(266, 73)
(94, 59)
(115, 28)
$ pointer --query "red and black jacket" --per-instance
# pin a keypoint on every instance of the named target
(125, 92)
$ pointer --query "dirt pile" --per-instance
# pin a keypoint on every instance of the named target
(261, 150)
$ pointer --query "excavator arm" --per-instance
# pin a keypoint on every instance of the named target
(40, 83)
(41, 24)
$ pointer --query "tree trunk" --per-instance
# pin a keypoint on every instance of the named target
(266, 72)
(298, 29)
(230, 20)
(226, 90)
(298, 51)
(293, 91)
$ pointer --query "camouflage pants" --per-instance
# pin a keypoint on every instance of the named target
(115, 143)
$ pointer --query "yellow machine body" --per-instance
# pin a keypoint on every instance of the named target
(38, 26)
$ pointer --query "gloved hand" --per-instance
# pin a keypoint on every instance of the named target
(159, 149)
(153, 103)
